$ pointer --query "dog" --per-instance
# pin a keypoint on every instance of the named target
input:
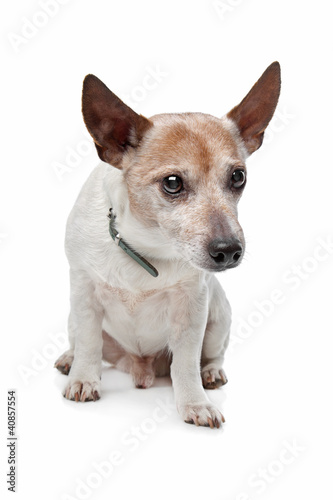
(151, 225)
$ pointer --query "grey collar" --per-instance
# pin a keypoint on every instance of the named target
(126, 247)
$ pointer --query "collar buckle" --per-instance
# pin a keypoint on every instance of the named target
(127, 248)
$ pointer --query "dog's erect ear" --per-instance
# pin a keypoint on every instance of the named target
(255, 111)
(114, 126)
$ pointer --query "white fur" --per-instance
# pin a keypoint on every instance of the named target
(118, 310)
(175, 313)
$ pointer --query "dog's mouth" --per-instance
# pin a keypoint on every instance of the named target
(217, 268)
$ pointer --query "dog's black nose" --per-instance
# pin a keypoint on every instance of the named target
(226, 253)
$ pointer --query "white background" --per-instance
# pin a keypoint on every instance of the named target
(279, 369)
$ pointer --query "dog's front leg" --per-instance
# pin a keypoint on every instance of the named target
(189, 317)
(86, 329)
(216, 337)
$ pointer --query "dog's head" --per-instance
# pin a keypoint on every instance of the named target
(185, 173)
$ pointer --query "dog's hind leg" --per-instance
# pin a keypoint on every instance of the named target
(114, 353)
(64, 362)
(162, 364)
(216, 338)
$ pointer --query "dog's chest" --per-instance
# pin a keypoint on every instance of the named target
(130, 300)
(138, 321)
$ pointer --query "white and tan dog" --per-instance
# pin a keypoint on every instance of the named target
(143, 293)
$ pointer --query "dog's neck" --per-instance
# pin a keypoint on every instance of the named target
(127, 248)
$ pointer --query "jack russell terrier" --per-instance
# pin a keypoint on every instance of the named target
(151, 225)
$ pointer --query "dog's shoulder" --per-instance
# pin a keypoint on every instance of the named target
(87, 225)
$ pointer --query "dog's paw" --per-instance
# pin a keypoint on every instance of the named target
(204, 414)
(64, 363)
(77, 390)
(213, 378)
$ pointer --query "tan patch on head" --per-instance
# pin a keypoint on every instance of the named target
(188, 144)
(190, 138)
(203, 151)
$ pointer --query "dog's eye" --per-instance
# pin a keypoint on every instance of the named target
(172, 184)
(238, 178)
